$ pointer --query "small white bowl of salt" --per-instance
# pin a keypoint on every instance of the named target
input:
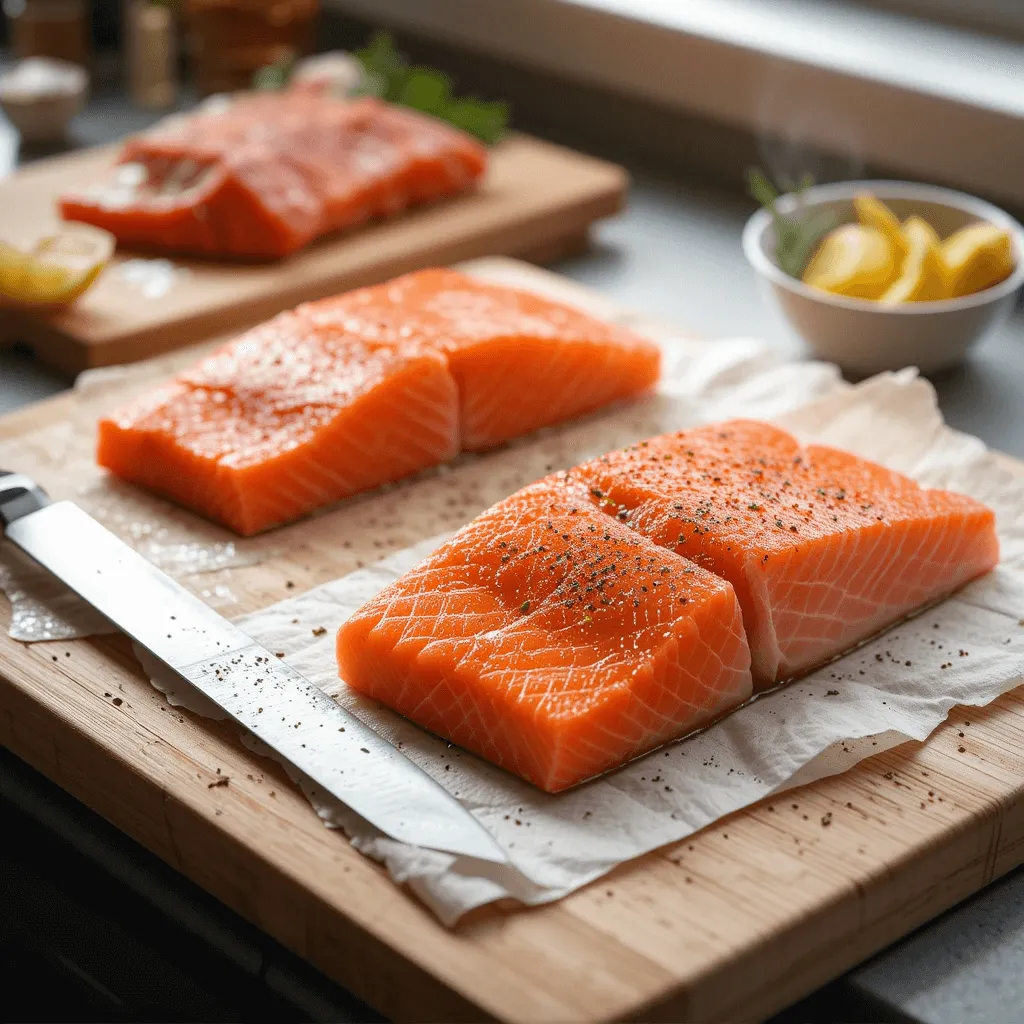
(40, 96)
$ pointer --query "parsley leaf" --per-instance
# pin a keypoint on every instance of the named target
(383, 67)
(386, 74)
(276, 75)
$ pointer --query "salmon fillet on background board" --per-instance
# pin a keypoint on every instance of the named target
(559, 645)
(265, 174)
(551, 640)
(520, 361)
(343, 395)
(824, 549)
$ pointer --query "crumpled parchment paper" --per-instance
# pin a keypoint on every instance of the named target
(900, 686)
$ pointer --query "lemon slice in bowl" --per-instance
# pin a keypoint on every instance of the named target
(853, 260)
(922, 278)
(873, 213)
(976, 257)
(57, 270)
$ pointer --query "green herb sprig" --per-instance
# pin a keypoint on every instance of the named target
(387, 76)
(796, 237)
(276, 75)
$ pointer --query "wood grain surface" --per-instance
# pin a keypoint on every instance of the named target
(731, 924)
(536, 202)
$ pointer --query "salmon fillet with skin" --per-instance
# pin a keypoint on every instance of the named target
(521, 362)
(343, 395)
(283, 421)
(551, 640)
(264, 175)
(823, 548)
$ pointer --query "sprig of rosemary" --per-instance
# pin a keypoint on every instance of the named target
(796, 237)
(387, 75)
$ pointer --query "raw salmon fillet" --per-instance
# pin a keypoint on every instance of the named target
(520, 361)
(551, 640)
(607, 609)
(285, 420)
(264, 175)
(823, 548)
(345, 394)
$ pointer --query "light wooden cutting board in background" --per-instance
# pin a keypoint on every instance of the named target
(732, 924)
(537, 202)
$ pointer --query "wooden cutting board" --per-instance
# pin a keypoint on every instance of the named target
(731, 924)
(537, 202)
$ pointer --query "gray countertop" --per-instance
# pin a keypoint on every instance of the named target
(675, 254)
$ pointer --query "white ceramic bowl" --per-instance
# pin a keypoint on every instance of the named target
(40, 96)
(865, 337)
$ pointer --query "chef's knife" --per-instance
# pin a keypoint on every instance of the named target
(259, 691)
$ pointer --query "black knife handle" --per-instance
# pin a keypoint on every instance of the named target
(19, 496)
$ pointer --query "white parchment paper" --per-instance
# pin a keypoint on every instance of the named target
(966, 651)
(901, 686)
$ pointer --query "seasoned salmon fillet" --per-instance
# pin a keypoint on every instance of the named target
(551, 640)
(264, 175)
(595, 615)
(345, 394)
(285, 420)
(520, 361)
(823, 548)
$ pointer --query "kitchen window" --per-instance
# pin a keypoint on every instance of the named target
(875, 82)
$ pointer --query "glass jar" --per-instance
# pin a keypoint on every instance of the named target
(152, 55)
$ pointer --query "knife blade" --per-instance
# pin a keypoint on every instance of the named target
(254, 687)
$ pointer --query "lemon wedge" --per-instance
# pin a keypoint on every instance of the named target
(57, 270)
(873, 213)
(922, 277)
(976, 257)
(854, 260)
